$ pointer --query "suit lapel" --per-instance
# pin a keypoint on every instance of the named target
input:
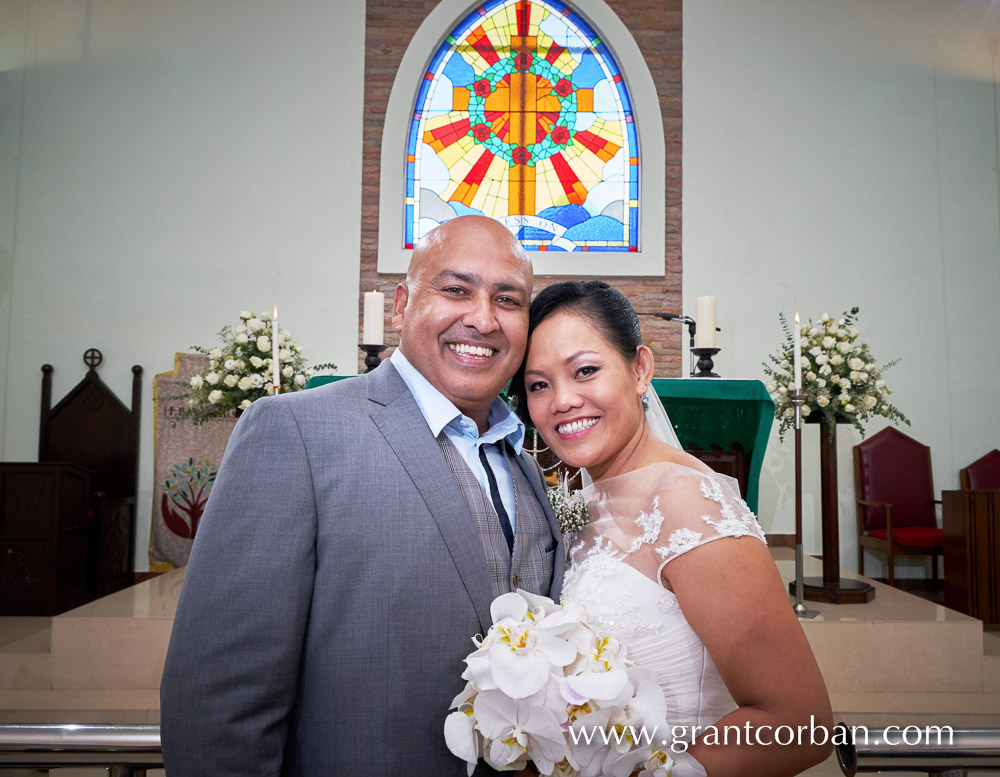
(530, 470)
(400, 422)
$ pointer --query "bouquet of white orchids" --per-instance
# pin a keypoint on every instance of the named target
(543, 686)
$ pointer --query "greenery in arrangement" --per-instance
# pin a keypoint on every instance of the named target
(239, 371)
(840, 377)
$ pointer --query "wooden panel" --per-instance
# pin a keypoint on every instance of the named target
(971, 523)
(44, 539)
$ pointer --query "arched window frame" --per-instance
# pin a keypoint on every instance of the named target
(647, 261)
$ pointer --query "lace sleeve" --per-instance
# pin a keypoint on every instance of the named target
(721, 512)
(655, 514)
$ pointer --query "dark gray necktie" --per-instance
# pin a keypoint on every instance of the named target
(508, 533)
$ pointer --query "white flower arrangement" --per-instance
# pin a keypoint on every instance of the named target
(540, 678)
(569, 508)
(239, 372)
(840, 377)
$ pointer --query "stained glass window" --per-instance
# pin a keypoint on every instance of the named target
(523, 116)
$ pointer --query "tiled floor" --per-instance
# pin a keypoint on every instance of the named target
(100, 663)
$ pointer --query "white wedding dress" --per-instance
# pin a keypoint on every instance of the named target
(639, 523)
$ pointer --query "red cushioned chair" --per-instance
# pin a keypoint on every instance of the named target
(895, 500)
(982, 473)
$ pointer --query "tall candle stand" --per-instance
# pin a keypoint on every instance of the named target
(800, 609)
(372, 358)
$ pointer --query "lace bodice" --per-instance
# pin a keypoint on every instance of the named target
(639, 523)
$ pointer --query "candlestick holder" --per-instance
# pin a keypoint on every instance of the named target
(372, 358)
(800, 609)
(705, 363)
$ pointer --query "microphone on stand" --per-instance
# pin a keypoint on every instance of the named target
(672, 317)
(691, 325)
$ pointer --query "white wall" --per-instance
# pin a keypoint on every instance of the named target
(164, 165)
(838, 154)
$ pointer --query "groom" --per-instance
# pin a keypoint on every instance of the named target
(355, 538)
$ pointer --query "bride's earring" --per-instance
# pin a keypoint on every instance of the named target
(645, 400)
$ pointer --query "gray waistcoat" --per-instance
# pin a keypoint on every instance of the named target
(530, 567)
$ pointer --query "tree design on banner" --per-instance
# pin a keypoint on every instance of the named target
(523, 116)
(185, 495)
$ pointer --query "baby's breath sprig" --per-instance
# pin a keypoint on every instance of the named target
(569, 508)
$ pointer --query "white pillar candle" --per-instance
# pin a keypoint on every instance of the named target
(374, 322)
(704, 333)
(275, 363)
(797, 338)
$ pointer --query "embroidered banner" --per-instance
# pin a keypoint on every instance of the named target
(185, 463)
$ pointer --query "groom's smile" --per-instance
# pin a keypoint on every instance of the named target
(476, 352)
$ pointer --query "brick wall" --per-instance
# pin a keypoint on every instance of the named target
(656, 27)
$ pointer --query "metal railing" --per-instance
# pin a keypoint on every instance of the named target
(940, 750)
(129, 750)
(126, 751)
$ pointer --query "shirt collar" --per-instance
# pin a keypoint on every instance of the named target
(439, 411)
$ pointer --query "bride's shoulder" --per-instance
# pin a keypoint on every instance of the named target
(692, 494)
(677, 469)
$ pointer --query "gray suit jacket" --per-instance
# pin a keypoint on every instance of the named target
(333, 589)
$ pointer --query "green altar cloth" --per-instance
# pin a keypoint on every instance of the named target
(706, 413)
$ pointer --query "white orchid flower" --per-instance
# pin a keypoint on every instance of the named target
(462, 738)
(514, 727)
(520, 650)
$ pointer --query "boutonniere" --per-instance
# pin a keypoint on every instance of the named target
(569, 507)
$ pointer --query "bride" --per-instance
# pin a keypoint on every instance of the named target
(672, 562)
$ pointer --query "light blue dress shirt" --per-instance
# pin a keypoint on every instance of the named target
(440, 413)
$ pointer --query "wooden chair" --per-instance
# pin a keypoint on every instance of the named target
(982, 473)
(92, 428)
(895, 500)
(67, 521)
